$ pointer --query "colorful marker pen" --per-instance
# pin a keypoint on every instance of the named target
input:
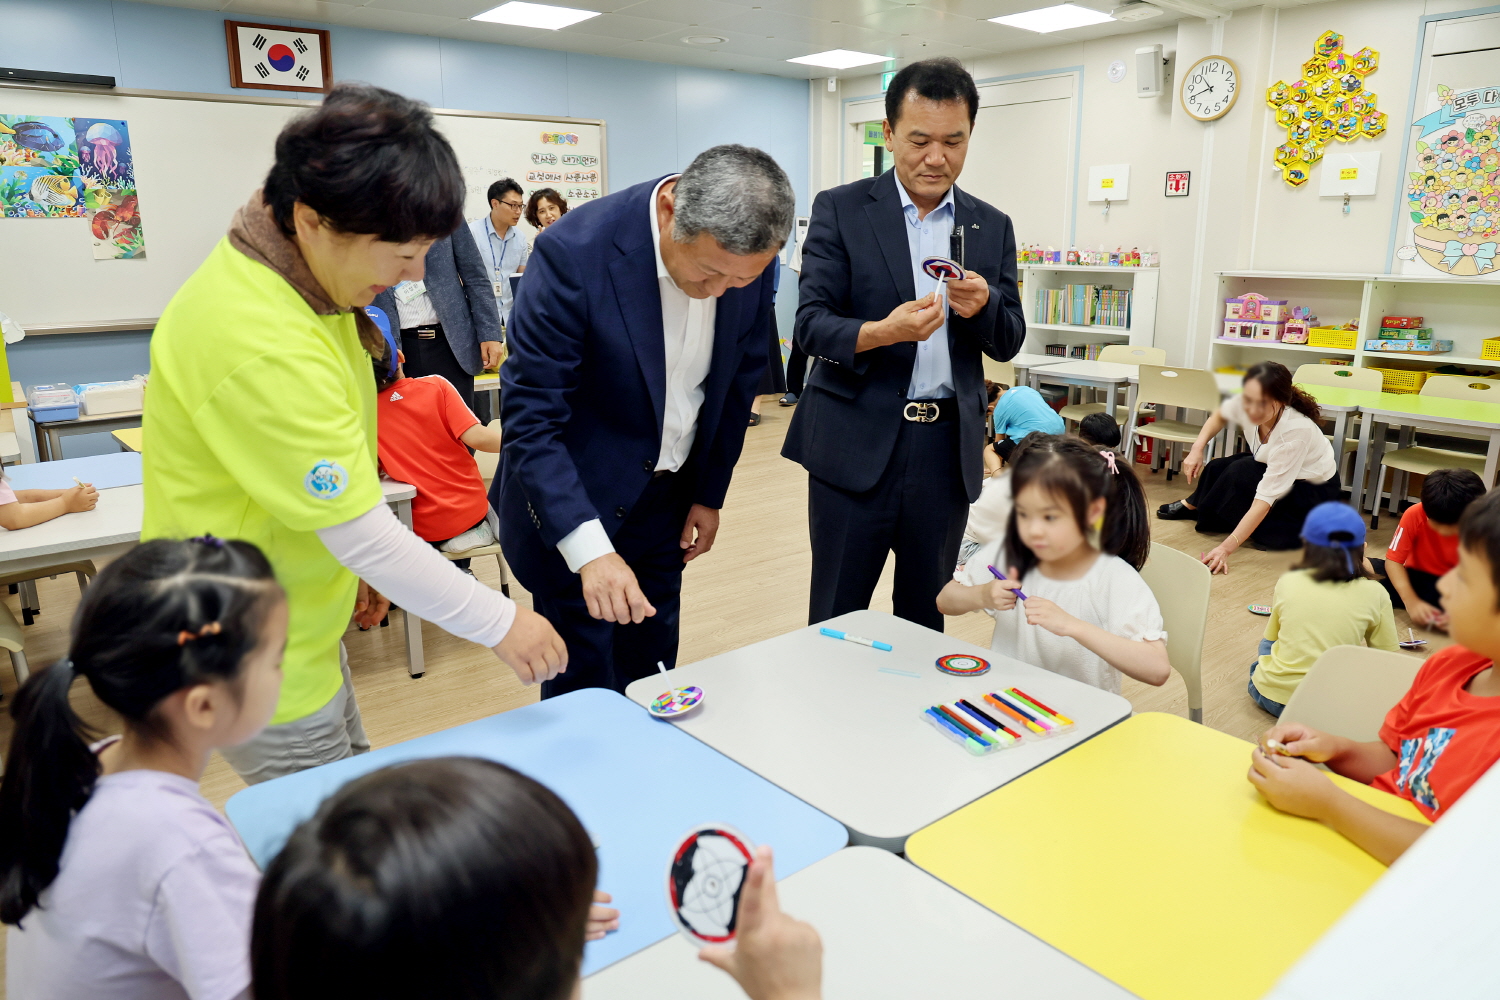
(986, 717)
(1027, 723)
(951, 731)
(1029, 700)
(1038, 718)
(986, 722)
(834, 633)
(975, 729)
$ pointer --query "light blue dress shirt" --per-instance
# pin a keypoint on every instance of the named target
(932, 375)
(501, 256)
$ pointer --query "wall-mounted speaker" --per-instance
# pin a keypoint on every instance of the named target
(1149, 72)
(43, 76)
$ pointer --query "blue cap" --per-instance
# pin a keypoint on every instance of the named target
(1327, 518)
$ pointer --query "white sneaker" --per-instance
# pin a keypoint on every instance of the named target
(476, 536)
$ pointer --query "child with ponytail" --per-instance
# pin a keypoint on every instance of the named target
(1077, 536)
(119, 880)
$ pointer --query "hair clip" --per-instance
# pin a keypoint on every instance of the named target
(212, 628)
(209, 540)
(1109, 458)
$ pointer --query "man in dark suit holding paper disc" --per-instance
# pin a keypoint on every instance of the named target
(891, 426)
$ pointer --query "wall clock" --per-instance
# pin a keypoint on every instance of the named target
(1210, 88)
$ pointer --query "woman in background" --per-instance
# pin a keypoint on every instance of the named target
(544, 207)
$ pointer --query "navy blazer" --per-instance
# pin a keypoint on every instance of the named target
(459, 285)
(856, 266)
(584, 387)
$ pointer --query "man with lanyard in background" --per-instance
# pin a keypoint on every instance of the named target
(505, 253)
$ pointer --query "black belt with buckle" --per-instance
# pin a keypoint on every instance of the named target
(422, 332)
(930, 411)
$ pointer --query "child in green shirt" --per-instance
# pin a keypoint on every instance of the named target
(1325, 601)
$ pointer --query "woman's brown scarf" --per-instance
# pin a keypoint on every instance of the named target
(255, 234)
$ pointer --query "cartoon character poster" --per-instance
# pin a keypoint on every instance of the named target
(1453, 186)
(52, 167)
(39, 168)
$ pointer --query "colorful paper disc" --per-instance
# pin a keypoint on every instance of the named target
(963, 665)
(942, 267)
(677, 701)
(704, 879)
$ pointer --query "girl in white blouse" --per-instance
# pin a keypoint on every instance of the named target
(1263, 494)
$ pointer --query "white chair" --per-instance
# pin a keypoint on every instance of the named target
(1189, 388)
(1181, 584)
(1421, 460)
(1349, 691)
(12, 641)
(493, 549)
(25, 583)
(999, 371)
(1119, 354)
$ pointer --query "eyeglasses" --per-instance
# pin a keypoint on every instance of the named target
(514, 206)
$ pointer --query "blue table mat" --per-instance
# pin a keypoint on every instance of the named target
(636, 782)
(105, 472)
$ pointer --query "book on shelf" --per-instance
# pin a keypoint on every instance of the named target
(1084, 305)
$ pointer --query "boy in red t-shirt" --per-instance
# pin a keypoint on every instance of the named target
(1435, 743)
(1425, 546)
(425, 433)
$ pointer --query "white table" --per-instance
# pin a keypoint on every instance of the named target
(890, 932)
(49, 435)
(818, 717)
(109, 530)
(1024, 363)
(1426, 412)
(489, 382)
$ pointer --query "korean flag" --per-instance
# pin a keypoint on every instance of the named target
(280, 58)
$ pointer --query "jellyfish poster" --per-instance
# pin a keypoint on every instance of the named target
(1453, 185)
(108, 171)
(39, 168)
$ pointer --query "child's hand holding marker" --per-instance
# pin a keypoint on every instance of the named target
(1292, 739)
(1004, 593)
(80, 498)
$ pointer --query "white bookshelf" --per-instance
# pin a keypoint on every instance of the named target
(1142, 282)
(1463, 311)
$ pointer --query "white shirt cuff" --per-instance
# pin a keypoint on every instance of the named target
(584, 544)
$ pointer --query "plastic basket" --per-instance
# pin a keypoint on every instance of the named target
(1489, 349)
(1400, 379)
(1327, 336)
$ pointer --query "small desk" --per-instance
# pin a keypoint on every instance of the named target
(1146, 855)
(1024, 363)
(1429, 412)
(49, 435)
(1107, 375)
(108, 530)
(489, 382)
(399, 497)
(130, 438)
(890, 932)
(636, 783)
(819, 718)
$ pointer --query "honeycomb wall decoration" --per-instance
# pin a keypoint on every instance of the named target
(1329, 103)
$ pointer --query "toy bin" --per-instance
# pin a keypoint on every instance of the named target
(1328, 336)
(51, 403)
(1400, 379)
(1489, 348)
(100, 398)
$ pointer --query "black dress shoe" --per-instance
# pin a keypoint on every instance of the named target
(1176, 511)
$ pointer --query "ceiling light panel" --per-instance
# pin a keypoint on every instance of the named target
(839, 59)
(535, 15)
(1049, 19)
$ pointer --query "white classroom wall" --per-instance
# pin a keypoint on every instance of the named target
(1239, 215)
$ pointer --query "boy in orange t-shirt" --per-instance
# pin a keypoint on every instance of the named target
(425, 432)
(1435, 743)
(1425, 545)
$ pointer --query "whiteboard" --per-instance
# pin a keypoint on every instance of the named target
(197, 159)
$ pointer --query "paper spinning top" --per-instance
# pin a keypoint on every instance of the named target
(704, 879)
(942, 268)
(677, 701)
(963, 665)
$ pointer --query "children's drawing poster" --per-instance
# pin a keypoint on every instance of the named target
(53, 167)
(1453, 185)
(39, 168)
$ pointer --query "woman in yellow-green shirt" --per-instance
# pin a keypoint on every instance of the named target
(260, 420)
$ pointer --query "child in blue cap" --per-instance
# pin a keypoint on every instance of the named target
(1325, 600)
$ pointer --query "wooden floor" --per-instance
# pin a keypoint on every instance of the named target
(752, 586)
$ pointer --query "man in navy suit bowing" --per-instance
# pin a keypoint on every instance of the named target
(636, 343)
(891, 425)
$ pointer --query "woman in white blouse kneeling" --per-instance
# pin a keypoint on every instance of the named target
(1263, 494)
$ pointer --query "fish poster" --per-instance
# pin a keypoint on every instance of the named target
(39, 168)
(54, 167)
(1453, 185)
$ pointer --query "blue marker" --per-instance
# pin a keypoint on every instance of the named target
(1001, 576)
(952, 731)
(834, 633)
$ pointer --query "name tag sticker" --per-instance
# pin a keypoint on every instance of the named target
(408, 290)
